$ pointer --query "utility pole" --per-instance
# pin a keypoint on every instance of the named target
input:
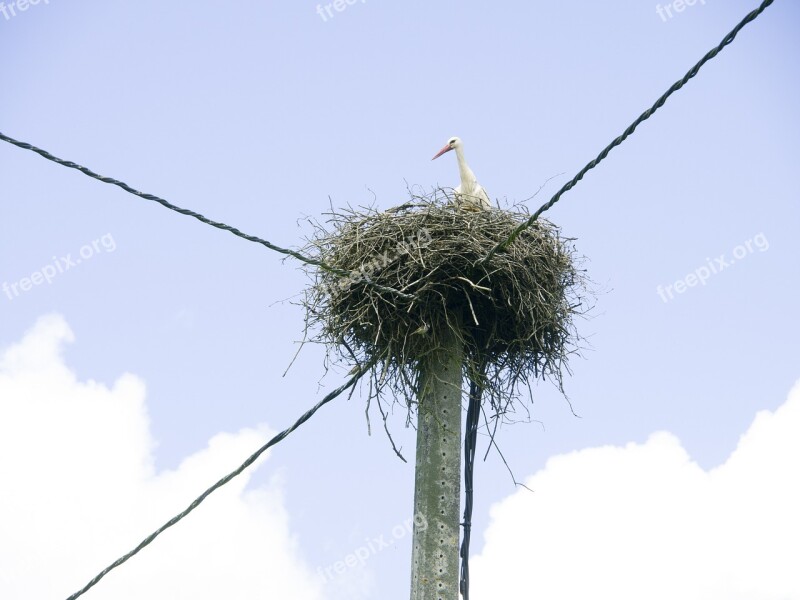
(437, 488)
(433, 314)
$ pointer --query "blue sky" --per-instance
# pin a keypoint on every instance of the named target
(260, 114)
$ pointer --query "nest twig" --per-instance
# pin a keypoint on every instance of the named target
(416, 269)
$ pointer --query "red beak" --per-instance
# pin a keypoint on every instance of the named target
(447, 148)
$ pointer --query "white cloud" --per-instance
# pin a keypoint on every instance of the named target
(78, 489)
(644, 521)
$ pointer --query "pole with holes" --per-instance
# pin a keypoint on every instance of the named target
(437, 489)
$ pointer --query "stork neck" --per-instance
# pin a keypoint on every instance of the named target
(467, 176)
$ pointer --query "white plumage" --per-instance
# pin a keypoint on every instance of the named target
(470, 195)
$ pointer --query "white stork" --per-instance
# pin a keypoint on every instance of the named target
(470, 194)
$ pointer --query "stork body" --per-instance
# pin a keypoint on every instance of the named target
(470, 194)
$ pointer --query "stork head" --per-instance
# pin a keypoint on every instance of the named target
(452, 144)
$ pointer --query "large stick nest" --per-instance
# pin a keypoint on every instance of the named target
(400, 276)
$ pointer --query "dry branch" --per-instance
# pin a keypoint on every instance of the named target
(517, 310)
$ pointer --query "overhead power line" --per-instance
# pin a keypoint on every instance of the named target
(250, 460)
(501, 245)
(470, 438)
(470, 444)
(185, 211)
(643, 117)
(165, 203)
